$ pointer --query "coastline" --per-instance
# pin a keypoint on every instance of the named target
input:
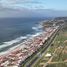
(26, 48)
(11, 44)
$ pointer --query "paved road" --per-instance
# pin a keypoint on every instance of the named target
(37, 55)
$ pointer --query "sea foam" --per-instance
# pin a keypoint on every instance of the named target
(12, 42)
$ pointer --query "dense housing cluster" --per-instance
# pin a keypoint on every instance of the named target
(27, 48)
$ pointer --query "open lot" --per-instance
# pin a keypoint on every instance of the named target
(58, 51)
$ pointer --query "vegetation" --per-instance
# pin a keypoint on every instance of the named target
(58, 50)
(57, 65)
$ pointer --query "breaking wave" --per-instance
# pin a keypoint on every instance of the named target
(6, 46)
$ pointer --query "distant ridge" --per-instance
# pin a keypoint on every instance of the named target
(8, 12)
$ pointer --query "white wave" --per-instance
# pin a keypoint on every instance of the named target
(12, 42)
(6, 44)
(8, 51)
(40, 26)
(11, 49)
(35, 28)
(36, 34)
(29, 35)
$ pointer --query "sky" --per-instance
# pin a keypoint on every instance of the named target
(34, 4)
(29, 8)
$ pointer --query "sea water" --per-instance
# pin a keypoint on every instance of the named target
(16, 30)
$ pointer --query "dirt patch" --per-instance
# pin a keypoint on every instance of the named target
(65, 41)
(65, 34)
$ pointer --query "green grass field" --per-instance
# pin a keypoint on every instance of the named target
(60, 55)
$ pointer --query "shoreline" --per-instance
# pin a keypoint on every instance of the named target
(18, 44)
(8, 46)
(25, 49)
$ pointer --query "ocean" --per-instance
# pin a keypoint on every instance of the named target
(15, 30)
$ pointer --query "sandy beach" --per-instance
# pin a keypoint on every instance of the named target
(25, 49)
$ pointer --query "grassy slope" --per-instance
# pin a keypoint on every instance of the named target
(60, 55)
(58, 41)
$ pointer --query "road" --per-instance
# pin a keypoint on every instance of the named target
(32, 59)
